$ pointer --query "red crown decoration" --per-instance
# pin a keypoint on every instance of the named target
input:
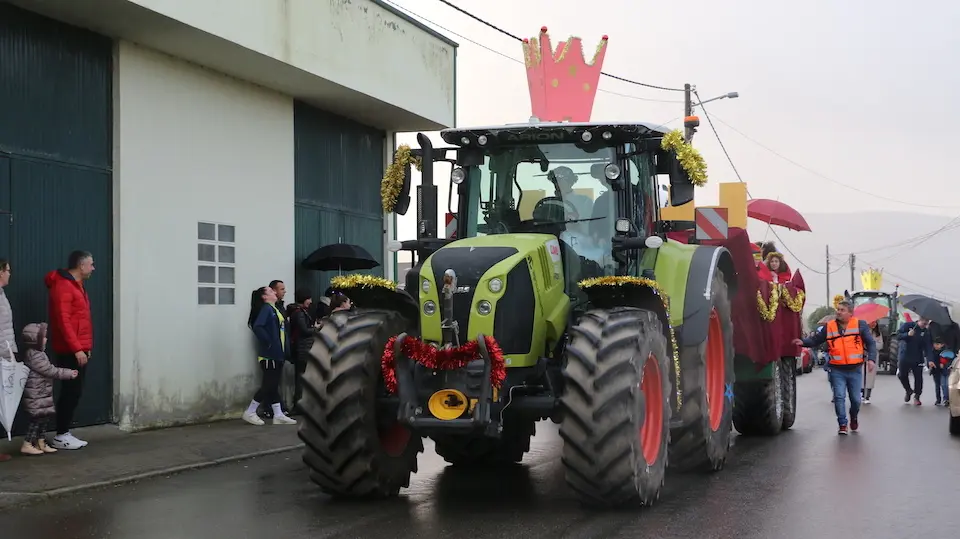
(562, 84)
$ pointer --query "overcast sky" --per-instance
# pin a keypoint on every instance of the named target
(858, 91)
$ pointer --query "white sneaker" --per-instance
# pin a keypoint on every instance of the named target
(253, 419)
(866, 401)
(67, 441)
(284, 420)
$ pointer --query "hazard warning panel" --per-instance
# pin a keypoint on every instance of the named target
(712, 223)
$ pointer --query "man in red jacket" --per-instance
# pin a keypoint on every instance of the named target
(71, 337)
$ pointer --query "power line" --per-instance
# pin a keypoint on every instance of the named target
(825, 177)
(518, 38)
(737, 172)
(515, 60)
(915, 286)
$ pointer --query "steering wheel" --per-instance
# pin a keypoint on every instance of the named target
(547, 208)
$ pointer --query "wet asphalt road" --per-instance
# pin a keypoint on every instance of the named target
(886, 482)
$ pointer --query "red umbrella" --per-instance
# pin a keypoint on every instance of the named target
(777, 213)
(871, 312)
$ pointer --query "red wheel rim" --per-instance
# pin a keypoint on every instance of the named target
(394, 439)
(716, 371)
(651, 433)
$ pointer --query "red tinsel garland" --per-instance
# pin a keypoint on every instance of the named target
(442, 360)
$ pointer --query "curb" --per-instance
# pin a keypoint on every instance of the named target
(13, 499)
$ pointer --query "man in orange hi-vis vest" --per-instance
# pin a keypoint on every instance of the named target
(849, 344)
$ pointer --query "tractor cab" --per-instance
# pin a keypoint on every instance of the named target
(595, 187)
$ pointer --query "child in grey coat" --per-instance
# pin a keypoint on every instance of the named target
(38, 393)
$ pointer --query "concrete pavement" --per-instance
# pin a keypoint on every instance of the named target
(113, 456)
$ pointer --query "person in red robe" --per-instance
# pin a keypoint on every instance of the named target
(775, 269)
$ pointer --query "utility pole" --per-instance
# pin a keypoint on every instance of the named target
(853, 263)
(828, 276)
(690, 122)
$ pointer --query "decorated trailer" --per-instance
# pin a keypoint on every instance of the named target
(559, 296)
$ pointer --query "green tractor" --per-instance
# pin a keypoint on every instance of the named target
(889, 324)
(560, 299)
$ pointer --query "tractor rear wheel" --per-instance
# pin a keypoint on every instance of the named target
(706, 380)
(351, 452)
(475, 451)
(616, 407)
(758, 404)
(788, 382)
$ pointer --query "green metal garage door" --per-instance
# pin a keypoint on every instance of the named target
(339, 164)
(55, 175)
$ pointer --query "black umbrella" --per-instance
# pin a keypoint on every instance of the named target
(928, 308)
(340, 257)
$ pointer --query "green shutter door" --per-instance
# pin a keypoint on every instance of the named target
(339, 164)
(55, 176)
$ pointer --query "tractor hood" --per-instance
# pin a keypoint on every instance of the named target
(502, 281)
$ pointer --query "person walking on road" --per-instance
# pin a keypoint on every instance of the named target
(71, 333)
(870, 376)
(849, 342)
(916, 345)
(940, 370)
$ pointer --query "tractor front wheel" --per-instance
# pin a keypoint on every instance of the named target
(788, 381)
(703, 438)
(616, 407)
(350, 452)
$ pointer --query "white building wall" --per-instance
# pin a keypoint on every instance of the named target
(192, 145)
(357, 44)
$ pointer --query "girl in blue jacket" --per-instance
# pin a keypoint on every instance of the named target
(269, 325)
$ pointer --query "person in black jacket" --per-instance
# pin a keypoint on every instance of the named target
(303, 329)
(916, 346)
(950, 335)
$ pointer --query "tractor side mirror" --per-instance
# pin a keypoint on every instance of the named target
(403, 199)
(681, 188)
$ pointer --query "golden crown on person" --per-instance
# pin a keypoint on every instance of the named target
(871, 279)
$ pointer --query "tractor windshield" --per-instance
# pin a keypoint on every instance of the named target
(555, 189)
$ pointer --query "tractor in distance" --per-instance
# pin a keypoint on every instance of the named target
(559, 298)
(872, 280)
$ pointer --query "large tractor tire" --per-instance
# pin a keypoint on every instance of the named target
(758, 405)
(954, 426)
(894, 355)
(478, 451)
(706, 380)
(351, 452)
(788, 382)
(616, 407)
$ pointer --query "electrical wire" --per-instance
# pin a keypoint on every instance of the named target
(825, 177)
(511, 58)
(518, 38)
(740, 178)
(926, 290)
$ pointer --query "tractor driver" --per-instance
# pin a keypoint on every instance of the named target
(564, 178)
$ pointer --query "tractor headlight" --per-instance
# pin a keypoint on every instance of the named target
(482, 140)
(484, 308)
(612, 171)
(458, 175)
(429, 308)
(425, 286)
(495, 285)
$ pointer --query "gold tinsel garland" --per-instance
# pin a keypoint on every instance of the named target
(795, 302)
(836, 301)
(768, 309)
(690, 159)
(664, 298)
(361, 281)
(392, 182)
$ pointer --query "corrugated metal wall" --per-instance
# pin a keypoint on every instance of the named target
(339, 165)
(55, 175)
